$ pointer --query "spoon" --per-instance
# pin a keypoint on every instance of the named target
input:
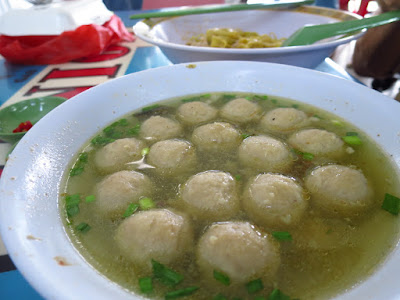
(310, 34)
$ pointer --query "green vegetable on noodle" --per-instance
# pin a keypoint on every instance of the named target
(391, 204)
(254, 286)
(221, 277)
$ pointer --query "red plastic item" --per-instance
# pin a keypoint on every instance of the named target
(85, 41)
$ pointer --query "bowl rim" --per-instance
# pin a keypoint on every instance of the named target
(33, 157)
(143, 31)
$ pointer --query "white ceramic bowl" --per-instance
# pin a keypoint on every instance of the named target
(172, 34)
(30, 185)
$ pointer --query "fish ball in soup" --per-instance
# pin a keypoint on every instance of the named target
(216, 137)
(116, 191)
(283, 120)
(274, 201)
(339, 189)
(159, 128)
(265, 154)
(318, 142)
(159, 234)
(172, 156)
(195, 113)
(241, 111)
(112, 157)
(211, 195)
(238, 250)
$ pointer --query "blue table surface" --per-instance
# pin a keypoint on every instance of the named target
(12, 78)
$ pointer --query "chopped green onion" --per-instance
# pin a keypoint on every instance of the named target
(74, 199)
(352, 139)
(295, 105)
(254, 286)
(238, 177)
(245, 135)
(260, 298)
(151, 107)
(282, 235)
(80, 164)
(76, 171)
(221, 277)
(72, 210)
(130, 210)
(181, 293)
(308, 156)
(391, 204)
(123, 122)
(236, 298)
(101, 140)
(274, 101)
(134, 130)
(90, 198)
(276, 294)
(219, 297)
(83, 227)
(317, 116)
(146, 203)
(351, 133)
(145, 151)
(83, 157)
(146, 285)
(337, 123)
(166, 275)
(227, 97)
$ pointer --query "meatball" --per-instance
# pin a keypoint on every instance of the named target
(116, 191)
(283, 120)
(238, 250)
(212, 195)
(195, 113)
(172, 157)
(241, 111)
(114, 156)
(339, 189)
(274, 201)
(318, 142)
(159, 234)
(158, 128)
(265, 154)
(215, 137)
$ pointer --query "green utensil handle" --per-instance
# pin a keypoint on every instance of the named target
(219, 8)
(311, 34)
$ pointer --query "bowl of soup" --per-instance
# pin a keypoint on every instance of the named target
(209, 180)
(254, 35)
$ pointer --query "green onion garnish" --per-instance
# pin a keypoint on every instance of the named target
(295, 105)
(72, 204)
(151, 107)
(282, 235)
(219, 297)
(245, 135)
(260, 298)
(146, 285)
(145, 151)
(90, 198)
(146, 203)
(130, 210)
(164, 274)
(76, 171)
(101, 140)
(238, 177)
(391, 204)
(308, 156)
(337, 123)
(351, 133)
(236, 298)
(254, 286)
(352, 139)
(181, 293)
(80, 164)
(134, 130)
(221, 277)
(276, 294)
(83, 227)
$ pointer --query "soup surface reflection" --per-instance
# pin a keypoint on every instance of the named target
(231, 196)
